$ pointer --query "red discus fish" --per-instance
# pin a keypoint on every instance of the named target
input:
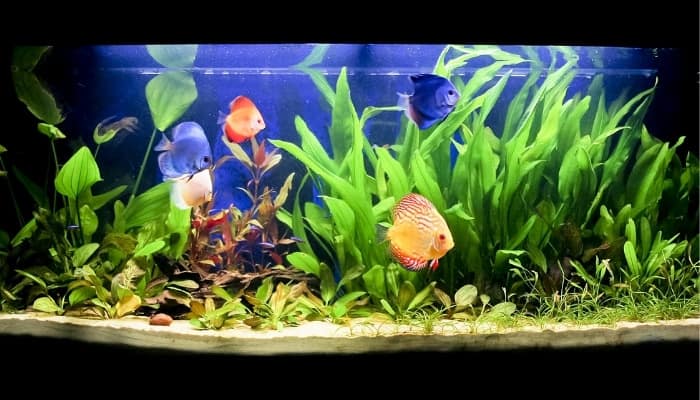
(419, 233)
(243, 121)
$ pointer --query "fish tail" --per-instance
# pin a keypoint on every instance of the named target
(381, 232)
(164, 144)
(403, 102)
(221, 119)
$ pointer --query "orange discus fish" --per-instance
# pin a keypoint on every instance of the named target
(243, 121)
(419, 233)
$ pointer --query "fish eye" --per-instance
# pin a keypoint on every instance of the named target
(441, 236)
(206, 159)
(260, 121)
(451, 92)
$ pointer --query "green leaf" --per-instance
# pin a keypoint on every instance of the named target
(387, 307)
(78, 174)
(81, 294)
(83, 253)
(96, 202)
(221, 292)
(631, 257)
(375, 282)
(398, 181)
(458, 211)
(344, 119)
(173, 56)
(88, 222)
(37, 193)
(36, 97)
(169, 95)
(328, 287)
(237, 151)
(315, 57)
(406, 293)
(503, 309)
(149, 248)
(46, 304)
(305, 262)
(153, 204)
(27, 57)
(343, 216)
(32, 277)
(426, 182)
(350, 275)
(24, 233)
(51, 131)
(422, 297)
(465, 296)
(186, 283)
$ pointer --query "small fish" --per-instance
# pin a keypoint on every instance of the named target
(129, 124)
(192, 191)
(243, 121)
(433, 98)
(419, 233)
(189, 151)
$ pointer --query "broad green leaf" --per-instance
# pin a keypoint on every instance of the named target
(36, 97)
(221, 292)
(305, 262)
(350, 275)
(374, 282)
(422, 297)
(83, 253)
(465, 296)
(426, 183)
(315, 56)
(372, 111)
(397, 183)
(502, 257)
(169, 95)
(153, 204)
(344, 119)
(88, 222)
(381, 209)
(406, 293)
(343, 216)
(32, 277)
(173, 56)
(51, 131)
(27, 57)
(328, 287)
(311, 146)
(631, 232)
(645, 236)
(79, 173)
(458, 211)
(503, 309)
(149, 248)
(46, 304)
(81, 294)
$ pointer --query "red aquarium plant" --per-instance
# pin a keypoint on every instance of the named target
(226, 244)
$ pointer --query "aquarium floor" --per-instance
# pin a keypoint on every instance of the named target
(361, 337)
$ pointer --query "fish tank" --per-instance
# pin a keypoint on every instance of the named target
(347, 198)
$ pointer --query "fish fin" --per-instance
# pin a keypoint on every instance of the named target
(381, 232)
(221, 119)
(434, 264)
(176, 196)
(403, 102)
(165, 166)
(164, 145)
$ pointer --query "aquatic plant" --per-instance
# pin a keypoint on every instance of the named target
(528, 193)
(274, 307)
(206, 315)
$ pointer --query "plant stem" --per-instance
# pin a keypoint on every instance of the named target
(143, 166)
(55, 163)
(97, 150)
(80, 225)
(12, 194)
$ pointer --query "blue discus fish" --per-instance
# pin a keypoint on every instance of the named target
(433, 98)
(189, 151)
